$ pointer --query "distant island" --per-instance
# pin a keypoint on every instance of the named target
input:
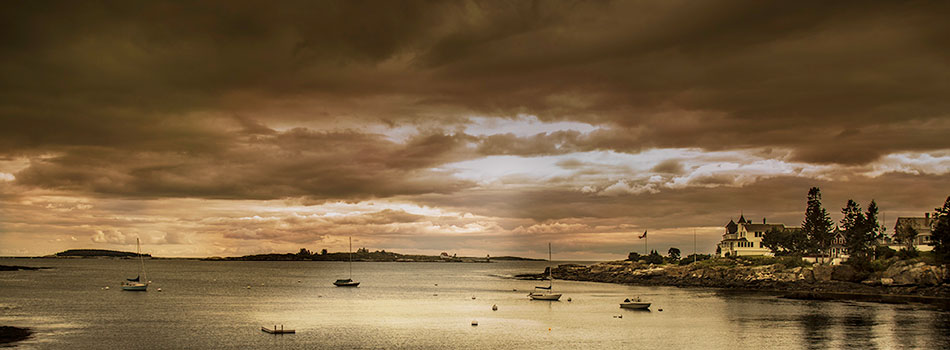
(364, 254)
(361, 254)
(96, 253)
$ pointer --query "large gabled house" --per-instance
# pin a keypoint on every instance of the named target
(745, 238)
(922, 225)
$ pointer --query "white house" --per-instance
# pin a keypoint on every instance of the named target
(745, 238)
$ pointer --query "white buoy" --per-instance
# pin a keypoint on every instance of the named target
(474, 322)
(106, 288)
(159, 289)
(248, 286)
(494, 308)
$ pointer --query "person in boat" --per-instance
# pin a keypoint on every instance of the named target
(626, 300)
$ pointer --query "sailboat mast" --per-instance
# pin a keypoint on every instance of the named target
(351, 257)
(550, 279)
(138, 250)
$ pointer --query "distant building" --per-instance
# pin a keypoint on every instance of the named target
(745, 238)
(922, 225)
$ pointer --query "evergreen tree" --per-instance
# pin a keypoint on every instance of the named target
(906, 236)
(940, 232)
(785, 242)
(852, 225)
(817, 224)
(874, 229)
(674, 253)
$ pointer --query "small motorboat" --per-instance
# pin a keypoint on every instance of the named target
(635, 304)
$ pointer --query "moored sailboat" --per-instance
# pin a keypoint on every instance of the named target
(348, 282)
(542, 292)
(140, 282)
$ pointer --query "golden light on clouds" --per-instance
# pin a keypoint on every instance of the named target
(480, 128)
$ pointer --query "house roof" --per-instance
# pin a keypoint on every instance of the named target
(731, 227)
(922, 225)
(763, 227)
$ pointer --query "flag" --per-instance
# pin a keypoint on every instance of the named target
(643, 235)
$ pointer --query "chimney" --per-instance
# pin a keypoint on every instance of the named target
(763, 221)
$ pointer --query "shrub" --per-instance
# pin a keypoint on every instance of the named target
(884, 252)
(906, 254)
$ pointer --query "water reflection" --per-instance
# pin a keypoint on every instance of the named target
(941, 339)
(858, 329)
(815, 323)
(906, 327)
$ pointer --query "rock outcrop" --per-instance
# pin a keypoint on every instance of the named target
(902, 278)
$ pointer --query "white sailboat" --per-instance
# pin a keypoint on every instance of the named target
(348, 282)
(546, 293)
(140, 282)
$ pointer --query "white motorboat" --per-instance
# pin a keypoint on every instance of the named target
(635, 304)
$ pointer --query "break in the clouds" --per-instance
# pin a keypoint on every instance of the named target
(474, 126)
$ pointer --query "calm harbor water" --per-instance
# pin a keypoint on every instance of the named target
(207, 305)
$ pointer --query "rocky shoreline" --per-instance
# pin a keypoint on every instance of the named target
(903, 281)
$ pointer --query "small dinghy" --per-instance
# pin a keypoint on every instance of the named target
(276, 330)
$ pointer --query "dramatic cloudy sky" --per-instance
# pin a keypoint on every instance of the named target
(474, 127)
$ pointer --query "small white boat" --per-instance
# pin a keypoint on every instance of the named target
(635, 304)
(545, 293)
(136, 284)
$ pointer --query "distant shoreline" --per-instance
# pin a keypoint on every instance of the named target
(362, 255)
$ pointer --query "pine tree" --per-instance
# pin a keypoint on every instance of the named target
(940, 232)
(853, 225)
(874, 230)
(817, 224)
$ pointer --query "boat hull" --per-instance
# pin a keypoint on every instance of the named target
(135, 287)
(346, 283)
(278, 331)
(544, 296)
(635, 306)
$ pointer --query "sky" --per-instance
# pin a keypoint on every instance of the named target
(471, 127)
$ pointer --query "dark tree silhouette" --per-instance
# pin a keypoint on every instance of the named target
(940, 232)
(674, 253)
(817, 224)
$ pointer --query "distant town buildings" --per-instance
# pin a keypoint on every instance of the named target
(745, 238)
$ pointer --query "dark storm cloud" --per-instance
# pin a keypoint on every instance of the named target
(185, 99)
(295, 163)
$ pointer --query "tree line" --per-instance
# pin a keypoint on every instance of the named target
(860, 230)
